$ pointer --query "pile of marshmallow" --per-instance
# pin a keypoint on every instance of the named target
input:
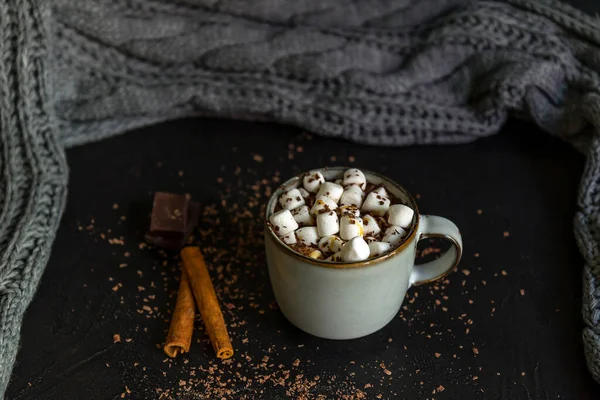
(343, 224)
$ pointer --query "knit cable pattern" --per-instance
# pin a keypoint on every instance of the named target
(373, 71)
(33, 169)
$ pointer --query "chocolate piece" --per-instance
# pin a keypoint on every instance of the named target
(173, 219)
(166, 242)
(169, 213)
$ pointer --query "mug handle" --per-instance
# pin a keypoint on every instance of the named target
(431, 226)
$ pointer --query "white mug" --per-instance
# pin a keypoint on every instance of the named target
(336, 300)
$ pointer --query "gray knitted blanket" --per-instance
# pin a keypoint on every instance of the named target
(380, 72)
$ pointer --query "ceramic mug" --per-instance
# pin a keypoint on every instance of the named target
(336, 300)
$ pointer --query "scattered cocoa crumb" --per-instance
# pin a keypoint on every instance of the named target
(479, 211)
(351, 159)
(504, 273)
(475, 351)
(116, 338)
(115, 206)
(235, 263)
(257, 158)
(126, 392)
(466, 272)
(506, 234)
(522, 291)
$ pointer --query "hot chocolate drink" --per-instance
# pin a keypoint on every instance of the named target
(345, 220)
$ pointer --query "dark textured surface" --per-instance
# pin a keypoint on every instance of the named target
(374, 72)
(524, 182)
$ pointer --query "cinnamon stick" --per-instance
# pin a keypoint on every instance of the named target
(179, 337)
(206, 299)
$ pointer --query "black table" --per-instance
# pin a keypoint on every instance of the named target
(517, 290)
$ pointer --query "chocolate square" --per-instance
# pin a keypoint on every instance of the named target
(169, 213)
(173, 219)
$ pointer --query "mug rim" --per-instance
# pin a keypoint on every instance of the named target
(346, 265)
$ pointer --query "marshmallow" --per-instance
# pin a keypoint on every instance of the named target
(308, 235)
(381, 221)
(330, 244)
(379, 248)
(283, 222)
(355, 250)
(303, 192)
(349, 210)
(331, 190)
(370, 226)
(290, 238)
(323, 204)
(375, 204)
(370, 239)
(327, 223)
(291, 199)
(316, 254)
(351, 227)
(313, 181)
(337, 257)
(339, 182)
(355, 176)
(382, 192)
(302, 216)
(353, 195)
(393, 235)
(401, 215)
